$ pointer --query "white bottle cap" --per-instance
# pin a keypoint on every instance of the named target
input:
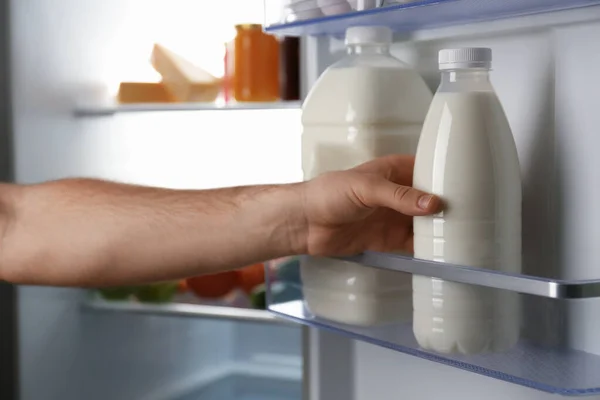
(469, 57)
(368, 35)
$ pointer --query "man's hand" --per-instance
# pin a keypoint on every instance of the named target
(369, 207)
(85, 232)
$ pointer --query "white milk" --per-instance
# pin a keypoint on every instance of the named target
(467, 155)
(367, 105)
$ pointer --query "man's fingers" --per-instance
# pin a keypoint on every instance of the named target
(379, 192)
(398, 168)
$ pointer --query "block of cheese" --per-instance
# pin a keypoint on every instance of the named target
(184, 80)
(143, 92)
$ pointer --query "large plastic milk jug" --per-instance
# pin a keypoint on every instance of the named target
(367, 105)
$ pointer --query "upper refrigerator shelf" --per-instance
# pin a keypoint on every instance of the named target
(333, 17)
(101, 110)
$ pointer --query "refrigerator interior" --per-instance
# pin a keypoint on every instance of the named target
(544, 74)
(66, 52)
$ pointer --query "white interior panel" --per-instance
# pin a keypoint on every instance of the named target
(262, 342)
(578, 171)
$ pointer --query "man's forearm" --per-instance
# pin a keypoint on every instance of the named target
(93, 233)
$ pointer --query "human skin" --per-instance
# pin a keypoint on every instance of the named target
(93, 233)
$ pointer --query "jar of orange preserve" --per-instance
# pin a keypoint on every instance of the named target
(256, 69)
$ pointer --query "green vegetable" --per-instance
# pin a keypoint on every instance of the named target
(117, 293)
(258, 297)
(156, 292)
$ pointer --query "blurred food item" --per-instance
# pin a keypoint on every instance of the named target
(334, 7)
(157, 292)
(258, 297)
(143, 92)
(295, 10)
(256, 65)
(250, 277)
(360, 5)
(289, 64)
(213, 286)
(117, 293)
(182, 286)
(184, 80)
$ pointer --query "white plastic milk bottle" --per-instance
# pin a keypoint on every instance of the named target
(367, 105)
(467, 156)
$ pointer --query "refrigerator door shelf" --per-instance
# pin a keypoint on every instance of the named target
(333, 17)
(499, 333)
(524, 284)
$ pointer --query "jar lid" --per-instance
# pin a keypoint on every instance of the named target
(248, 26)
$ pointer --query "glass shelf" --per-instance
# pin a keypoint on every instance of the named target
(113, 109)
(247, 387)
(181, 309)
(525, 284)
(488, 323)
(304, 17)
